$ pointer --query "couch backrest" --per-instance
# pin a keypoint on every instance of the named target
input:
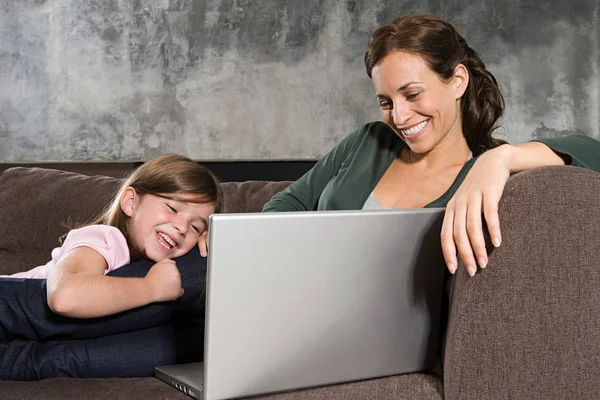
(528, 326)
(36, 202)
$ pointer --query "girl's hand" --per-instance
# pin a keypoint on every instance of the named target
(479, 193)
(165, 281)
(203, 243)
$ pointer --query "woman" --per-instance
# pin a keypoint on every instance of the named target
(440, 107)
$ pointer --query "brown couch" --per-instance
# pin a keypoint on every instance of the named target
(527, 327)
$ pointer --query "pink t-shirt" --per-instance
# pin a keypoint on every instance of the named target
(106, 240)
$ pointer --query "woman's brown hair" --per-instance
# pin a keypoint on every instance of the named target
(168, 176)
(440, 45)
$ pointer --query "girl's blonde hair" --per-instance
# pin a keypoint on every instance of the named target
(168, 176)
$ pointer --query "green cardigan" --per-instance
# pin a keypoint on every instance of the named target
(345, 177)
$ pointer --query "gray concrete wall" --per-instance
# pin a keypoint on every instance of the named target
(265, 79)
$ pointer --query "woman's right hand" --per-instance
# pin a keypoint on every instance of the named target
(165, 281)
(203, 243)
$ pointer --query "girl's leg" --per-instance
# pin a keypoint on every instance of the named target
(24, 312)
(131, 354)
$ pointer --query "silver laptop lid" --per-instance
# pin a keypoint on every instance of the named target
(296, 300)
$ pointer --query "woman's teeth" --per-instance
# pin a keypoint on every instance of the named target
(415, 129)
(167, 239)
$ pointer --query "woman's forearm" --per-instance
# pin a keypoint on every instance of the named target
(524, 156)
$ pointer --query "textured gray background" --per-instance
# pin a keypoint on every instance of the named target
(265, 79)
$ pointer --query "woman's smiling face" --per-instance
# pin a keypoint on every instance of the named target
(420, 107)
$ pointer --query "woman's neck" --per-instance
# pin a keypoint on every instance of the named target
(452, 150)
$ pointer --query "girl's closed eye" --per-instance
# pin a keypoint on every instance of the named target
(171, 208)
(196, 229)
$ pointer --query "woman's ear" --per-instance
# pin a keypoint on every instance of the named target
(129, 200)
(460, 80)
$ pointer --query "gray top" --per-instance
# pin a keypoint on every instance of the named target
(373, 204)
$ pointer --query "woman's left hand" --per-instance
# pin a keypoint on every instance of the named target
(479, 193)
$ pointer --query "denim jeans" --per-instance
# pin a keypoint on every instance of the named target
(36, 343)
(131, 354)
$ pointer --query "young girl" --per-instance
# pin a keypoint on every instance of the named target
(158, 214)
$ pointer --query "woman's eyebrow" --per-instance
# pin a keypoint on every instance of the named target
(401, 88)
(406, 85)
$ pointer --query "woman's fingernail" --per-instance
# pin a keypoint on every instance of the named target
(496, 241)
(482, 262)
(472, 272)
(451, 268)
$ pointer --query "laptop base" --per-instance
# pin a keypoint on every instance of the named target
(189, 378)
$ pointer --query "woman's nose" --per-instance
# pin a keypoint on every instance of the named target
(399, 115)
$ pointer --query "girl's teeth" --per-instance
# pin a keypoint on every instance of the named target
(167, 239)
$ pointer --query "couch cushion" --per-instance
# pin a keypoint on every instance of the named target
(422, 386)
(250, 196)
(528, 326)
(35, 202)
(91, 389)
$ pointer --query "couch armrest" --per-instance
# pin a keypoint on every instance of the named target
(528, 326)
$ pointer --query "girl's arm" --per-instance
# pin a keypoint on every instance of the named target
(77, 286)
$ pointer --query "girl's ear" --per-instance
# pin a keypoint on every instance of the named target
(460, 80)
(129, 200)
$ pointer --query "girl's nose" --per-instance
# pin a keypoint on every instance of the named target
(181, 226)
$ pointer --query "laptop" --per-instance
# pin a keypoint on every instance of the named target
(304, 299)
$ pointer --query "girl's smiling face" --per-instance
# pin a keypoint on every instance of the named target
(420, 107)
(162, 227)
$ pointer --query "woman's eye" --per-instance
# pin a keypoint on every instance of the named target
(384, 105)
(171, 208)
(411, 96)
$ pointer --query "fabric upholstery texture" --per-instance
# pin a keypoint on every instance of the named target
(250, 196)
(36, 203)
(404, 387)
(528, 326)
(90, 389)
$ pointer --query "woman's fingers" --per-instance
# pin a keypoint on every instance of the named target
(490, 211)
(463, 228)
(447, 239)
(461, 237)
(474, 226)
